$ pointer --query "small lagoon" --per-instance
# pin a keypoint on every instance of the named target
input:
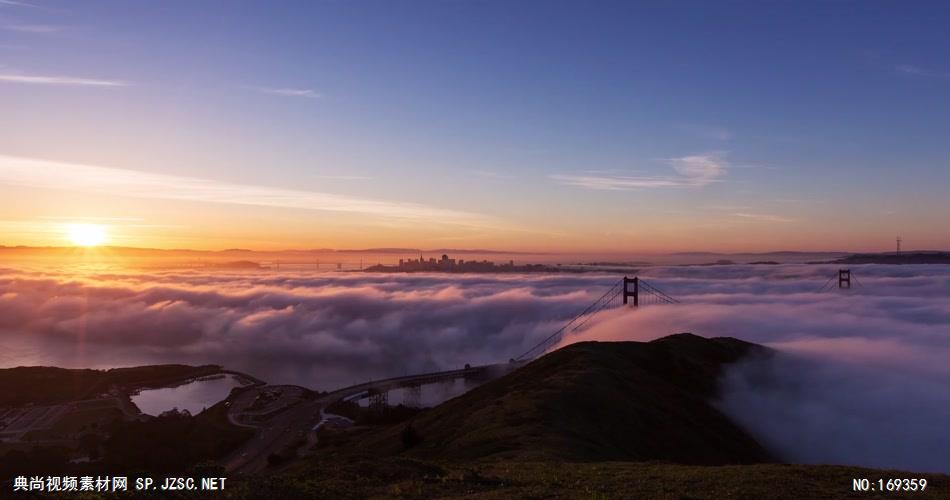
(193, 396)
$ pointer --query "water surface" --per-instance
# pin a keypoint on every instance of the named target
(194, 396)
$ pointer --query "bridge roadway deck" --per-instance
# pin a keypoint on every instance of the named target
(389, 384)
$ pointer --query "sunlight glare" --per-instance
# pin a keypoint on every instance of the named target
(86, 235)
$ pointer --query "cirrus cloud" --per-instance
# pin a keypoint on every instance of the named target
(46, 174)
(58, 80)
(291, 92)
(693, 171)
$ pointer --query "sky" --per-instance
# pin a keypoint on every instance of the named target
(523, 126)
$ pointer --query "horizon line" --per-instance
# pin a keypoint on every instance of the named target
(397, 250)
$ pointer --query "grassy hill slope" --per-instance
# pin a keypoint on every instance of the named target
(592, 401)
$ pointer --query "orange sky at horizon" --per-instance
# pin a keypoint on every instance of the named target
(161, 211)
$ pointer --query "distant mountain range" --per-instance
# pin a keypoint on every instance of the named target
(919, 257)
(775, 254)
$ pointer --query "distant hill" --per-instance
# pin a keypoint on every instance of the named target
(893, 258)
(45, 385)
(238, 264)
(592, 401)
(775, 254)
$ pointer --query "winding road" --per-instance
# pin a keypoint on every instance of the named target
(286, 421)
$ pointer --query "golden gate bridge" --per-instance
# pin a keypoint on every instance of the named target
(620, 293)
(627, 291)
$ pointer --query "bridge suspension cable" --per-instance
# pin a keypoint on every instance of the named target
(826, 284)
(657, 294)
(555, 337)
(644, 290)
(856, 280)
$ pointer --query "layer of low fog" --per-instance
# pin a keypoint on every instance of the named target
(860, 377)
(319, 330)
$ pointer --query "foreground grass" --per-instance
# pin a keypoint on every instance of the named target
(406, 478)
(402, 478)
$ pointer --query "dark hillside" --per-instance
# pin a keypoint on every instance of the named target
(592, 401)
(46, 385)
(894, 258)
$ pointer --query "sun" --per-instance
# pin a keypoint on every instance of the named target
(86, 235)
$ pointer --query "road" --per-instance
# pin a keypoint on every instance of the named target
(288, 418)
(276, 435)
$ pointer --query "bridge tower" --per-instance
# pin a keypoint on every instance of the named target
(378, 400)
(635, 292)
(844, 278)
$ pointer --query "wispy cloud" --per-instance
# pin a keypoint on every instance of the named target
(728, 208)
(44, 174)
(58, 80)
(345, 177)
(910, 69)
(290, 92)
(614, 183)
(746, 213)
(699, 170)
(692, 171)
(801, 201)
(16, 3)
(33, 28)
(91, 218)
(762, 217)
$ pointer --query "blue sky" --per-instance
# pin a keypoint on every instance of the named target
(562, 125)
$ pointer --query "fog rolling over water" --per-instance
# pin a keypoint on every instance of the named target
(819, 411)
(862, 377)
(321, 330)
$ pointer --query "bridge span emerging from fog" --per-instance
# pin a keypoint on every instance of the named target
(285, 416)
(377, 390)
(627, 291)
